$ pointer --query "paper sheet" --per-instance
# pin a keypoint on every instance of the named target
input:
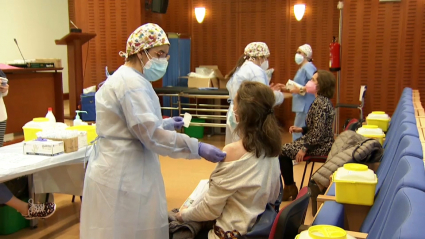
(290, 85)
(186, 119)
(197, 194)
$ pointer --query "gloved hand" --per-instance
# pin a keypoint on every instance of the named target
(211, 153)
(178, 122)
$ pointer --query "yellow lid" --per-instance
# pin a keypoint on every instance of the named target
(378, 112)
(40, 119)
(326, 232)
(374, 136)
(368, 126)
(355, 167)
(371, 131)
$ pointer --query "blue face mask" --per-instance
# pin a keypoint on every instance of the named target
(155, 68)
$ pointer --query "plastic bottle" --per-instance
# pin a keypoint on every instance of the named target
(77, 120)
(50, 115)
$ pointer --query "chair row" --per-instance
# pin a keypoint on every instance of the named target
(398, 209)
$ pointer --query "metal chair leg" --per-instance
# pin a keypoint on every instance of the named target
(305, 169)
(311, 172)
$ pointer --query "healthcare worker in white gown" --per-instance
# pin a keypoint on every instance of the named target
(124, 194)
(251, 66)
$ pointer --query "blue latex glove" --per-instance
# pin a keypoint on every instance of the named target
(211, 153)
(178, 122)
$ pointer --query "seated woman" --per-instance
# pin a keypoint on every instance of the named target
(249, 177)
(317, 136)
(28, 210)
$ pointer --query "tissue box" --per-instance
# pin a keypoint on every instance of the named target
(70, 145)
(48, 148)
(88, 104)
(82, 139)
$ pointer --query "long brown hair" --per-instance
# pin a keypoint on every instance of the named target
(257, 124)
(240, 62)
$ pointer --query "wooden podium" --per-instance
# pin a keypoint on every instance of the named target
(75, 41)
(32, 91)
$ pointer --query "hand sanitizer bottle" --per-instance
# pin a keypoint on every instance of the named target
(77, 120)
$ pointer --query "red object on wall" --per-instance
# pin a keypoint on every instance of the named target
(334, 58)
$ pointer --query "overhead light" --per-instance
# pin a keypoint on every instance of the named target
(200, 14)
(299, 10)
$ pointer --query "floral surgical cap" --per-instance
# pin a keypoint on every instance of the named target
(145, 37)
(256, 49)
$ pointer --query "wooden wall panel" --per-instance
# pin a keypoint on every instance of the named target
(176, 20)
(418, 59)
(382, 49)
(382, 42)
(214, 41)
(112, 21)
(71, 11)
(230, 25)
(413, 49)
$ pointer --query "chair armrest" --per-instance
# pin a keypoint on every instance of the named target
(303, 228)
(319, 159)
(358, 235)
(324, 198)
(352, 106)
(330, 185)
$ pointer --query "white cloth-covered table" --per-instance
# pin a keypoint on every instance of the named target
(51, 174)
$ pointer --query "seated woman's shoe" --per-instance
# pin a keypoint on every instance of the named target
(290, 191)
(40, 210)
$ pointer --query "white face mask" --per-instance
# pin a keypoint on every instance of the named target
(299, 58)
(265, 65)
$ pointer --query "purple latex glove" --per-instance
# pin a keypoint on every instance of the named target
(178, 122)
(211, 153)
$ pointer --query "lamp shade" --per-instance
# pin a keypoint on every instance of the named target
(299, 10)
(200, 14)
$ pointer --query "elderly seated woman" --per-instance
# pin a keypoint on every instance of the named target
(249, 178)
(317, 136)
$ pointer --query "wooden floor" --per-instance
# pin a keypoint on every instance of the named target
(180, 176)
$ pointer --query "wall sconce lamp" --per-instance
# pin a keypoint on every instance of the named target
(200, 14)
(299, 10)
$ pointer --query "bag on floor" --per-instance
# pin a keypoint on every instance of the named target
(352, 124)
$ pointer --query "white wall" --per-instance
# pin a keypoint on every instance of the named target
(35, 24)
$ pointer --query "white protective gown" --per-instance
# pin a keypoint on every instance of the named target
(249, 71)
(124, 194)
